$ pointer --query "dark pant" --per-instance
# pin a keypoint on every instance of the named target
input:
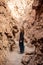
(21, 45)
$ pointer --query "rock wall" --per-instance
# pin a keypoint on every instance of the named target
(32, 21)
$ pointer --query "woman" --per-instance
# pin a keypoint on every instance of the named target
(21, 40)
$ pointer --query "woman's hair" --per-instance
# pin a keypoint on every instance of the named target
(22, 29)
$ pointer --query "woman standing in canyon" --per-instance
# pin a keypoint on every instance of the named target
(21, 40)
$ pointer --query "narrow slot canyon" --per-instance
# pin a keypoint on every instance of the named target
(21, 32)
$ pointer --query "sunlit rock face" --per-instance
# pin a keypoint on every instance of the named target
(20, 9)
